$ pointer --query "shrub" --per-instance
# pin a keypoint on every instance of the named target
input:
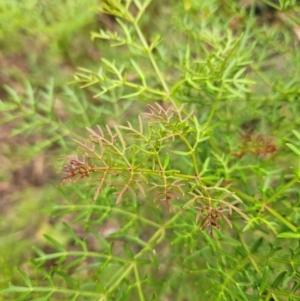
(195, 198)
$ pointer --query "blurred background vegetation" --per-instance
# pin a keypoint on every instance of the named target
(42, 44)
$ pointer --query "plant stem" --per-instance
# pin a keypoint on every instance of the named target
(138, 283)
(282, 189)
(281, 218)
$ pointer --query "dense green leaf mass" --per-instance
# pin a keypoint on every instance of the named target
(180, 143)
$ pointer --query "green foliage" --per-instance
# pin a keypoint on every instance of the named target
(197, 196)
(44, 33)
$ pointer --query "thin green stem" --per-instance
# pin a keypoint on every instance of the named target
(153, 62)
(113, 209)
(158, 236)
(282, 189)
(281, 218)
(138, 283)
(261, 75)
(116, 279)
(67, 291)
(155, 66)
(256, 267)
(82, 254)
(273, 197)
(213, 110)
(184, 139)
